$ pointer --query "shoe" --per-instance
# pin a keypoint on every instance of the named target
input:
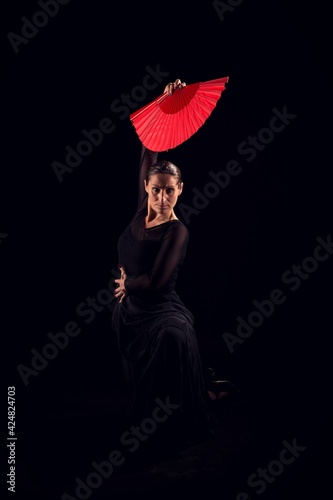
(219, 389)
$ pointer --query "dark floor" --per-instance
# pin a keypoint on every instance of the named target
(250, 432)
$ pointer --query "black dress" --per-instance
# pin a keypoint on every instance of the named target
(156, 337)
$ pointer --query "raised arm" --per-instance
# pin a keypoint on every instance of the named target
(148, 158)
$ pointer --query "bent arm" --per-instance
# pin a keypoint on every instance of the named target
(168, 259)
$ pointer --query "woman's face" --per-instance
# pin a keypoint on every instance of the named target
(163, 191)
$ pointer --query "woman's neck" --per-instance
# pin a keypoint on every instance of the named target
(153, 216)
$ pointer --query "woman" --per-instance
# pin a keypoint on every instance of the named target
(155, 330)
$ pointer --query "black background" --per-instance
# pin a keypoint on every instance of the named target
(59, 239)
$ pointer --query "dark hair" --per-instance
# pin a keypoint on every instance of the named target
(164, 167)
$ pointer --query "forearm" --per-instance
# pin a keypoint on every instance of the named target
(147, 160)
(141, 283)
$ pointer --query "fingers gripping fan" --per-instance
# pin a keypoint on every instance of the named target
(170, 120)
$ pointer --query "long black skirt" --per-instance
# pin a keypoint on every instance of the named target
(158, 345)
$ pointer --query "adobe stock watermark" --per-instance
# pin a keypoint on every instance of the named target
(131, 439)
(3, 236)
(59, 341)
(30, 27)
(262, 477)
(223, 8)
(263, 309)
(249, 148)
(122, 107)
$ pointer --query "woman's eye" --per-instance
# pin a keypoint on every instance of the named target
(170, 191)
(155, 190)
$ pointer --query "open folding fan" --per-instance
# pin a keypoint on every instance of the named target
(170, 120)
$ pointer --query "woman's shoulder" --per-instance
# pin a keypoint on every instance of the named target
(180, 223)
(176, 226)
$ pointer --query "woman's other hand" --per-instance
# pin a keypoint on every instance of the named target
(171, 87)
(121, 292)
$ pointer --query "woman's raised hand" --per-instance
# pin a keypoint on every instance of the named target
(171, 87)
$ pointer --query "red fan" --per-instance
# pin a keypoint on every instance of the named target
(170, 120)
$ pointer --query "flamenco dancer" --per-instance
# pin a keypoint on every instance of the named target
(156, 336)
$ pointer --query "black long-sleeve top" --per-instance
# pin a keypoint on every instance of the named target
(151, 256)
